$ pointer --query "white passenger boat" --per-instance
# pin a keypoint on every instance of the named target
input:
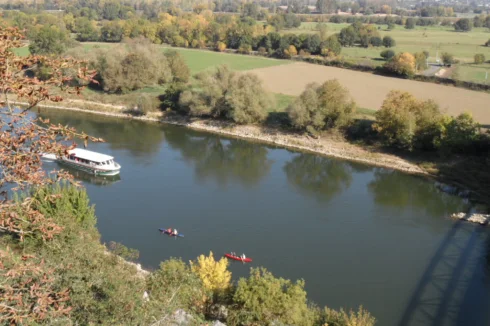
(92, 162)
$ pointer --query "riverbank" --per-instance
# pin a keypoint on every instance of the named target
(328, 146)
(466, 179)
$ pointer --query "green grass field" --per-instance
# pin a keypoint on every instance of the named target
(202, 60)
(435, 39)
(473, 72)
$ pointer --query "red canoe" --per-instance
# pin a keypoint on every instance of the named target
(246, 260)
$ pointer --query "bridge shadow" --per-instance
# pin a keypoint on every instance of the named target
(451, 291)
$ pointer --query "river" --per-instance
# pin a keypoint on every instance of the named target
(357, 235)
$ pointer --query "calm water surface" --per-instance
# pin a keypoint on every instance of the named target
(356, 234)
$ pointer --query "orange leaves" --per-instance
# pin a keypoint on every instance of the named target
(28, 293)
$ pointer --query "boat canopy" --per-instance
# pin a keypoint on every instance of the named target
(89, 155)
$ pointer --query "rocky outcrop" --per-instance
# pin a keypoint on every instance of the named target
(482, 219)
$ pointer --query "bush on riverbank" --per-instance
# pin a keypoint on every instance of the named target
(240, 97)
(96, 287)
(321, 107)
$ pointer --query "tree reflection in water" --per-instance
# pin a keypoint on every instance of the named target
(398, 190)
(221, 160)
(137, 137)
(318, 176)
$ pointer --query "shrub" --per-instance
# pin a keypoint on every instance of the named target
(341, 318)
(322, 106)
(463, 25)
(290, 51)
(402, 64)
(388, 42)
(223, 93)
(178, 67)
(332, 45)
(447, 58)
(387, 54)
(420, 61)
(48, 40)
(488, 43)
(479, 58)
(213, 274)
(410, 23)
(262, 299)
(220, 46)
(461, 132)
(134, 66)
(174, 279)
(376, 41)
(245, 49)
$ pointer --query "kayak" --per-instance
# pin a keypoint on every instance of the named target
(170, 233)
(246, 260)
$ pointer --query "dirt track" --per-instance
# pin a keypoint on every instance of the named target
(369, 90)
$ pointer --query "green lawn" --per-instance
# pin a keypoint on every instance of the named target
(474, 73)
(435, 39)
(201, 60)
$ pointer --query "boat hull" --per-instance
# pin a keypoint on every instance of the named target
(246, 260)
(89, 169)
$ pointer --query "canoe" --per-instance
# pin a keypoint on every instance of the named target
(170, 234)
(246, 260)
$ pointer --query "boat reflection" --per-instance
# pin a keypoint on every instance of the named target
(97, 180)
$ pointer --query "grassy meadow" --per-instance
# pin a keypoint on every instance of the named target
(434, 39)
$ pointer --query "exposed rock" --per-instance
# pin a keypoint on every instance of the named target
(482, 219)
(217, 323)
(181, 318)
(217, 311)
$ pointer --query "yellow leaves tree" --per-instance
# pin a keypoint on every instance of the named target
(402, 64)
(214, 274)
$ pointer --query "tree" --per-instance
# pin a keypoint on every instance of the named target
(322, 106)
(220, 46)
(180, 71)
(402, 64)
(410, 23)
(461, 132)
(326, 6)
(463, 25)
(388, 42)
(405, 122)
(395, 121)
(262, 298)
(420, 61)
(332, 45)
(48, 40)
(387, 54)
(30, 294)
(223, 93)
(447, 58)
(85, 30)
(134, 66)
(479, 58)
(290, 51)
(348, 36)
(213, 274)
(111, 32)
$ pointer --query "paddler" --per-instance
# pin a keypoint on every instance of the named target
(169, 230)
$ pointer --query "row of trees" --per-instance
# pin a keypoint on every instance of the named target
(363, 35)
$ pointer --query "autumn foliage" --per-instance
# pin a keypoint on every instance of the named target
(214, 274)
(402, 64)
(22, 141)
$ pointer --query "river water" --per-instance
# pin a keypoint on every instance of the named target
(358, 235)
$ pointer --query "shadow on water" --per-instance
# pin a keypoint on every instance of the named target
(445, 294)
(222, 160)
(318, 176)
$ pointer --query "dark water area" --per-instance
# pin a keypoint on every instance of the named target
(357, 235)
